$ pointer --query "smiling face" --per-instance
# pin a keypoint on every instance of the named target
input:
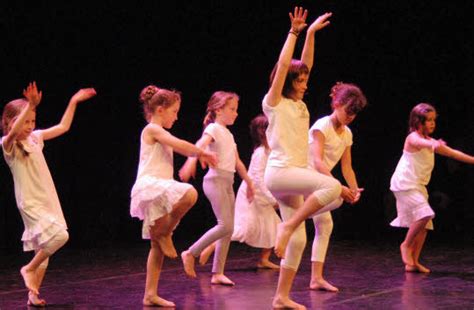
(168, 115)
(226, 115)
(28, 126)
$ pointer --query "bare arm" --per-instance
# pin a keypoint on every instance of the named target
(307, 56)
(242, 171)
(188, 170)
(351, 194)
(66, 121)
(454, 154)
(297, 25)
(318, 153)
(33, 96)
(414, 142)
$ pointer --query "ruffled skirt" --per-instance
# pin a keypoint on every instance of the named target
(254, 223)
(412, 205)
(152, 198)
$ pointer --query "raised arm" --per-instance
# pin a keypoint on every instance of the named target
(68, 116)
(33, 96)
(307, 56)
(297, 25)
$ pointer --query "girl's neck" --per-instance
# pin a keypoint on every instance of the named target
(335, 122)
(422, 134)
(220, 122)
(155, 119)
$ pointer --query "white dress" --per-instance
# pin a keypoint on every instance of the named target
(408, 183)
(155, 191)
(256, 222)
(35, 193)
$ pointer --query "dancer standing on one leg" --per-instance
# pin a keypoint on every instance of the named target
(410, 179)
(330, 140)
(218, 183)
(288, 176)
(36, 197)
(156, 197)
(255, 221)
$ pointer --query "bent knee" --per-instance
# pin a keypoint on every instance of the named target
(191, 196)
(323, 226)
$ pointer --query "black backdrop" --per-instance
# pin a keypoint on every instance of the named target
(399, 52)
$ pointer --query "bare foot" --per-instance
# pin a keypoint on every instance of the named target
(406, 253)
(156, 301)
(417, 268)
(286, 303)
(167, 246)
(29, 277)
(266, 264)
(35, 301)
(204, 257)
(282, 238)
(188, 263)
(322, 285)
(220, 279)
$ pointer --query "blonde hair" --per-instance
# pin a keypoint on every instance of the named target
(218, 100)
(10, 113)
(152, 97)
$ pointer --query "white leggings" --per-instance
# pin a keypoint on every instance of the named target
(52, 245)
(290, 185)
(218, 187)
(322, 233)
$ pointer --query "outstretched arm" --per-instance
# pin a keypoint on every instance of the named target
(284, 60)
(307, 56)
(33, 96)
(454, 154)
(68, 116)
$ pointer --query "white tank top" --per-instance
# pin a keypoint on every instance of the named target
(413, 170)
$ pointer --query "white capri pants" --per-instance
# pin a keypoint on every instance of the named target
(323, 225)
(218, 187)
(290, 185)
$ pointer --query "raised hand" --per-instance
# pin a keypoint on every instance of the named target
(298, 19)
(320, 22)
(32, 94)
(83, 94)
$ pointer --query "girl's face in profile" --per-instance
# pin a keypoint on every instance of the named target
(170, 114)
(227, 115)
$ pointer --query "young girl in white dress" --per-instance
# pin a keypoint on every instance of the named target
(156, 198)
(409, 181)
(36, 197)
(218, 183)
(255, 221)
(330, 140)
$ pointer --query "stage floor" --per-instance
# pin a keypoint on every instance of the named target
(369, 276)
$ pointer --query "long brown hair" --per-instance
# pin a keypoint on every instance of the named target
(257, 127)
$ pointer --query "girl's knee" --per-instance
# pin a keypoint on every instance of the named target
(323, 226)
(191, 196)
(297, 241)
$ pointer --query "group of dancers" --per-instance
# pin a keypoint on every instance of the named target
(290, 170)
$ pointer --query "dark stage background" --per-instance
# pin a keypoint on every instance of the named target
(399, 52)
